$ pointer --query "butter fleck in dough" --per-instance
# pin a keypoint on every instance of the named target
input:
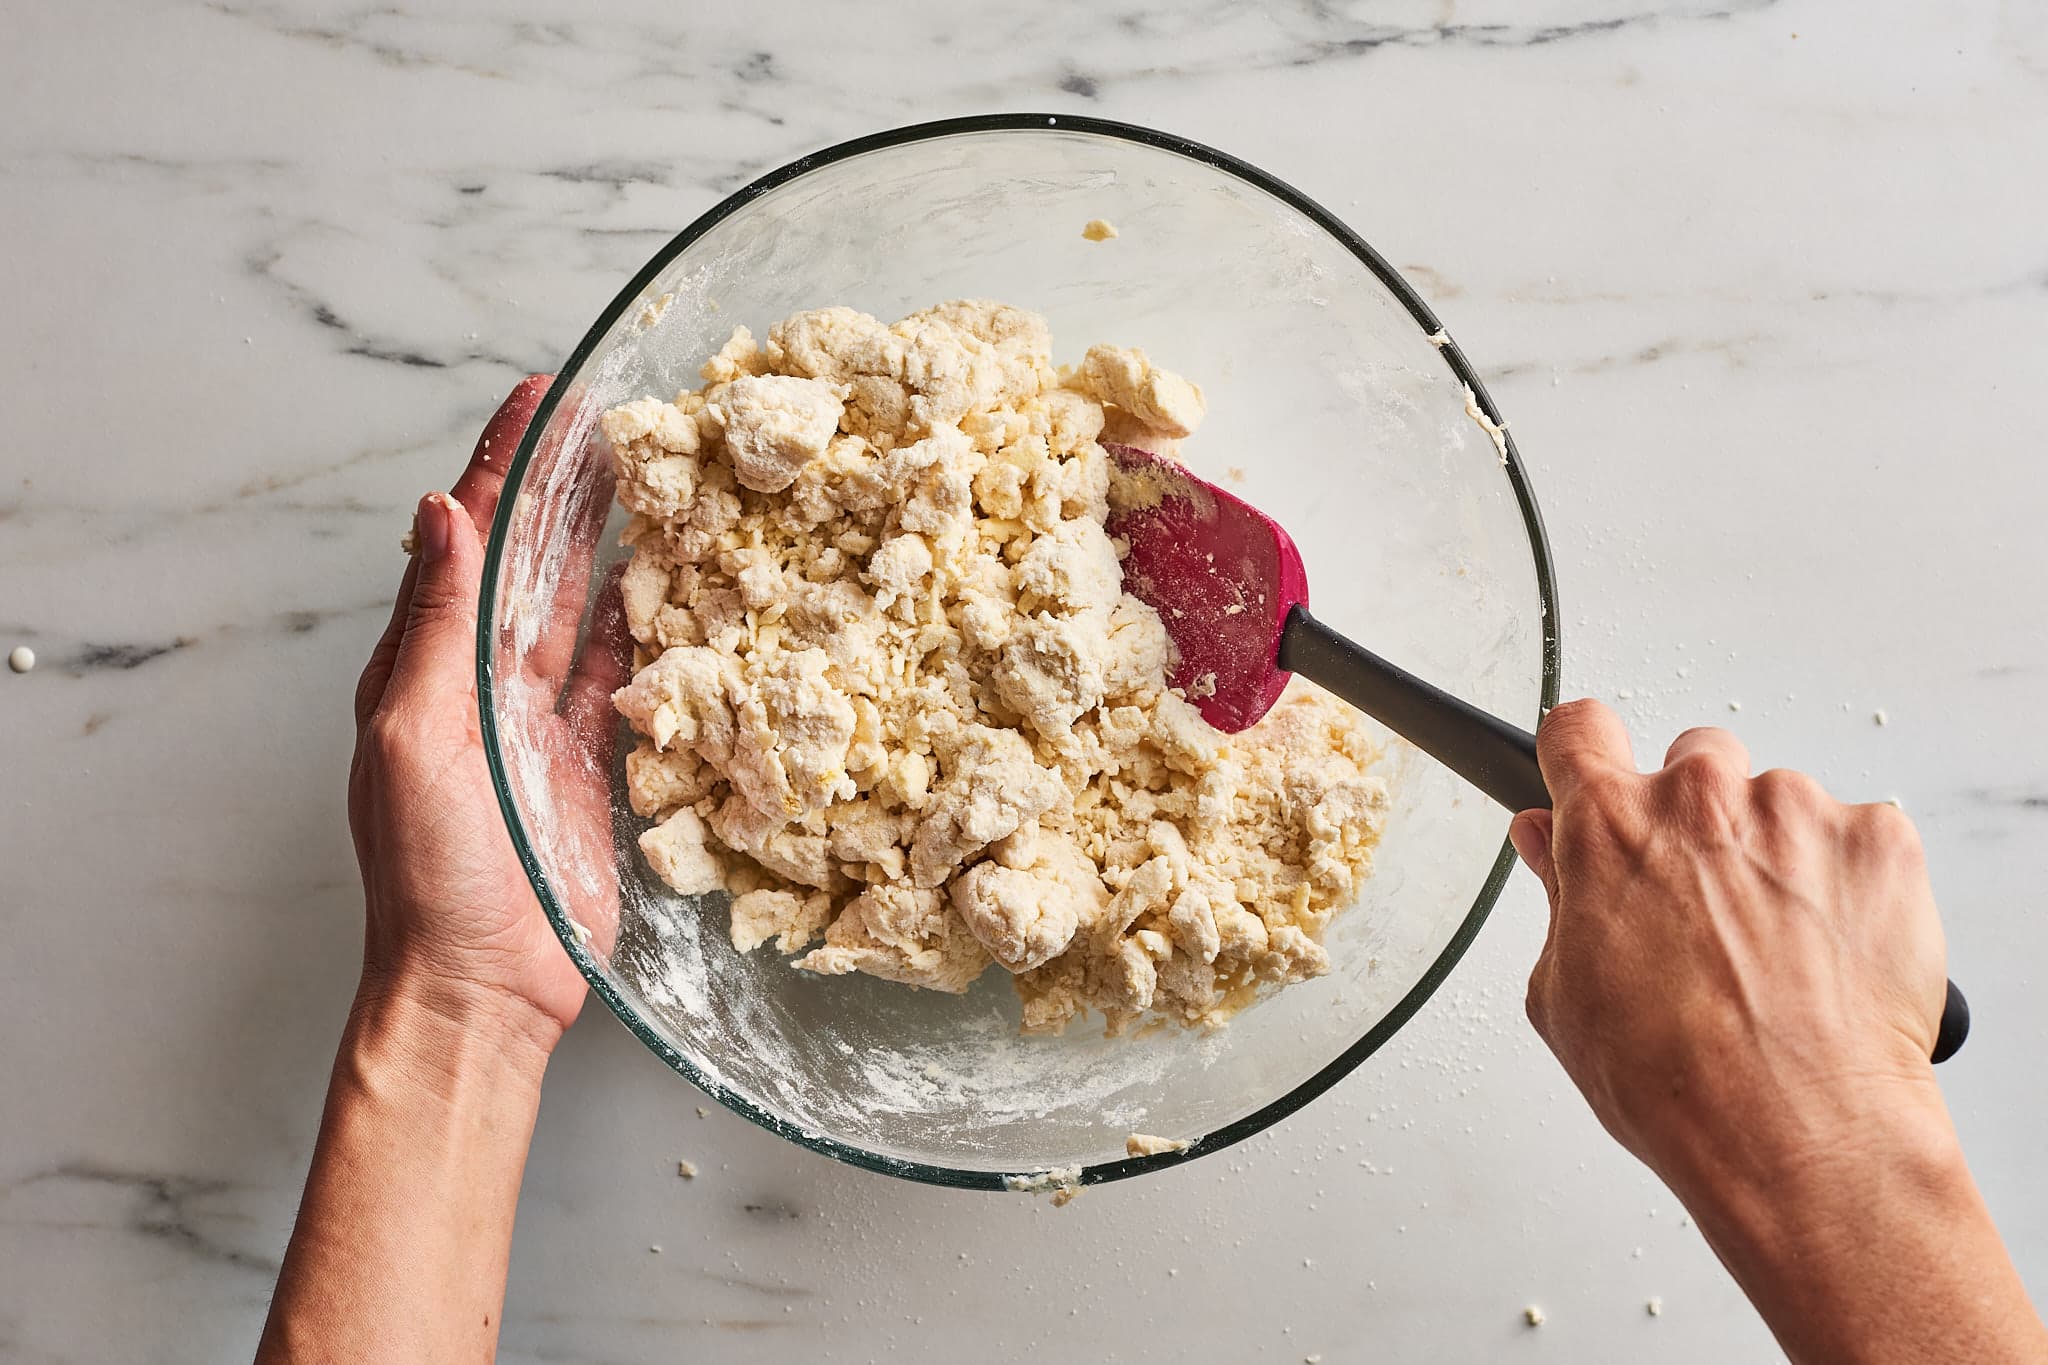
(893, 697)
(1098, 230)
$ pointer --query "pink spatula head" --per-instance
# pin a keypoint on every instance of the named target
(1221, 574)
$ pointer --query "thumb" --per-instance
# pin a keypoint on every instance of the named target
(1529, 832)
(438, 649)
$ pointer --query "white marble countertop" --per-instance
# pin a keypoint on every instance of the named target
(1763, 288)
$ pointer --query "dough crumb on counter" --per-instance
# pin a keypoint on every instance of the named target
(21, 658)
(1099, 230)
(1655, 1307)
(893, 697)
(687, 1169)
(1439, 338)
(1533, 1315)
(1144, 1144)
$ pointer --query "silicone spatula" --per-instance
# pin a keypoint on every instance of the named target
(1230, 586)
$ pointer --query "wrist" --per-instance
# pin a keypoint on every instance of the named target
(1833, 1184)
(446, 1034)
(1808, 1147)
(402, 1238)
(1824, 1230)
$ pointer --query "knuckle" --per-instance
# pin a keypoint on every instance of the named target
(1572, 715)
(1702, 797)
(1699, 732)
(1705, 779)
(387, 736)
(1787, 790)
(1892, 832)
(1698, 768)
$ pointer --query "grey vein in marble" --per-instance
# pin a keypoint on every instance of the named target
(159, 1207)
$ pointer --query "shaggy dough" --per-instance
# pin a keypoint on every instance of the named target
(893, 696)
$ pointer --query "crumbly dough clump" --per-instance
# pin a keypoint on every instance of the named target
(1145, 1144)
(892, 694)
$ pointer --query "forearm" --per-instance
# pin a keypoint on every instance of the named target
(405, 1230)
(1876, 1252)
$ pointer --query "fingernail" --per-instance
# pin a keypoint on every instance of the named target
(432, 521)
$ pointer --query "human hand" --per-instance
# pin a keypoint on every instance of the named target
(1739, 970)
(451, 916)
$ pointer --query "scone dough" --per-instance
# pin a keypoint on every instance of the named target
(892, 695)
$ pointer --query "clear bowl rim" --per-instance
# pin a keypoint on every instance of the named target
(586, 962)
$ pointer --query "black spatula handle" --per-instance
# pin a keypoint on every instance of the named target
(1494, 756)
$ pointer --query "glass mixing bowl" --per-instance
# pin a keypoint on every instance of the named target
(1329, 406)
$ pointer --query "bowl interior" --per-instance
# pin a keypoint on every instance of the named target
(1328, 407)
